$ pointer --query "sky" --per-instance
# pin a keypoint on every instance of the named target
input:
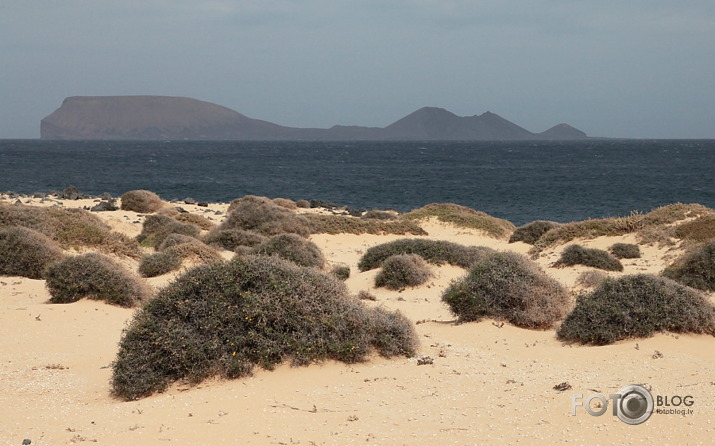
(631, 69)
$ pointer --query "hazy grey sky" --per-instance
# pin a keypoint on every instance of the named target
(634, 68)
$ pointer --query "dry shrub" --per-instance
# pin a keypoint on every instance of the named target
(636, 306)
(292, 247)
(171, 255)
(464, 217)
(625, 251)
(401, 271)
(142, 201)
(699, 230)
(285, 203)
(508, 286)
(230, 239)
(94, 276)
(157, 227)
(343, 224)
(695, 268)
(591, 278)
(436, 252)
(340, 272)
(71, 228)
(171, 211)
(595, 258)
(195, 251)
(225, 319)
(253, 199)
(264, 217)
(196, 220)
(159, 263)
(175, 239)
(379, 215)
(26, 253)
(303, 204)
(531, 232)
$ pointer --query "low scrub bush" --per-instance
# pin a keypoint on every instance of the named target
(292, 247)
(303, 204)
(379, 215)
(595, 258)
(26, 253)
(195, 219)
(436, 252)
(171, 256)
(531, 232)
(157, 227)
(71, 228)
(226, 319)
(636, 306)
(175, 239)
(401, 271)
(508, 286)
(699, 230)
(264, 217)
(341, 272)
(463, 216)
(591, 278)
(230, 239)
(195, 251)
(625, 251)
(285, 203)
(142, 201)
(94, 276)
(159, 263)
(342, 224)
(696, 268)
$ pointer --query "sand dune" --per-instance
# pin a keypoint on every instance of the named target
(487, 383)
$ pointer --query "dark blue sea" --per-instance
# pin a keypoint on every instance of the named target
(517, 181)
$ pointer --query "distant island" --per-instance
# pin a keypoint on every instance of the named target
(180, 118)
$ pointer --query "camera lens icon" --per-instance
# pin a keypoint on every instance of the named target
(635, 405)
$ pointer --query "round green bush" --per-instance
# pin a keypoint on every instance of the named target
(595, 258)
(225, 319)
(341, 272)
(142, 201)
(230, 239)
(531, 232)
(625, 251)
(94, 276)
(401, 271)
(695, 268)
(292, 247)
(636, 306)
(508, 286)
(159, 263)
(433, 251)
(26, 253)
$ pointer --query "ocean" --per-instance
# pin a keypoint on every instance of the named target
(518, 181)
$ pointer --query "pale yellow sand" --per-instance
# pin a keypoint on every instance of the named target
(488, 383)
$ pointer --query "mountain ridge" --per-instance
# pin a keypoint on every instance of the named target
(176, 118)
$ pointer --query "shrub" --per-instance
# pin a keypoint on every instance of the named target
(94, 276)
(699, 230)
(366, 295)
(264, 217)
(292, 247)
(157, 227)
(591, 278)
(625, 251)
(159, 263)
(196, 251)
(175, 239)
(595, 258)
(71, 228)
(225, 319)
(636, 306)
(695, 268)
(464, 217)
(507, 286)
(197, 220)
(230, 239)
(341, 272)
(142, 201)
(379, 215)
(26, 253)
(304, 204)
(285, 203)
(531, 232)
(402, 270)
(436, 252)
(341, 224)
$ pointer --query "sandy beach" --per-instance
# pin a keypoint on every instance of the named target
(473, 383)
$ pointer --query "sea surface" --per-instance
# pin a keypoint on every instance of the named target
(517, 181)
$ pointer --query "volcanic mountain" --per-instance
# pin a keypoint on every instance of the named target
(175, 118)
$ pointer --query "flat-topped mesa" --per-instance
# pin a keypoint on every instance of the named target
(178, 118)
